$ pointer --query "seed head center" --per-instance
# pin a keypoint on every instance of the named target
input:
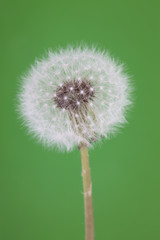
(74, 94)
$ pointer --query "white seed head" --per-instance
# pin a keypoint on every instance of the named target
(75, 95)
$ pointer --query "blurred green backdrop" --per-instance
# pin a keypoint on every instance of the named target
(41, 190)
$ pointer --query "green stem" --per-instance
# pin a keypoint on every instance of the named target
(87, 187)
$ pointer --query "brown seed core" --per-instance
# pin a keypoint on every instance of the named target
(74, 94)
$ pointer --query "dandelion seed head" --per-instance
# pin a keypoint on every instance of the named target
(75, 95)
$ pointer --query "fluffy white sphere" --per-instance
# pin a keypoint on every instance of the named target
(73, 96)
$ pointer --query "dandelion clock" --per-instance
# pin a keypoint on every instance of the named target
(74, 98)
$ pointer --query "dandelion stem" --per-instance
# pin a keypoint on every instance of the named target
(87, 188)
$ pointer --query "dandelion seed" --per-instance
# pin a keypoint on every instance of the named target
(91, 89)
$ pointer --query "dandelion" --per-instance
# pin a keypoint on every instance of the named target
(74, 97)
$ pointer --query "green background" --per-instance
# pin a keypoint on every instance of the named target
(41, 190)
